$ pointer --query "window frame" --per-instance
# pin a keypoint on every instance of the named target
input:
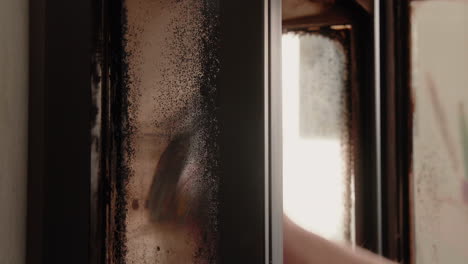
(382, 117)
(72, 58)
(362, 108)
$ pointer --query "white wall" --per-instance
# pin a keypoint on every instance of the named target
(13, 128)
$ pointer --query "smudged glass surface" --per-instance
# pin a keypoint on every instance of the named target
(439, 64)
(165, 211)
(317, 193)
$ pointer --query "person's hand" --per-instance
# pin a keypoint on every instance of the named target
(303, 247)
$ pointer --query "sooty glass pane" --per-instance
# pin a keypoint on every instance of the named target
(163, 202)
(317, 180)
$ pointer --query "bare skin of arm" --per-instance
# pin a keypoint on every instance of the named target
(303, 247)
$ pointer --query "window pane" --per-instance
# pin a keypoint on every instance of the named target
(164, 202)
(316, 167)
(439, 39)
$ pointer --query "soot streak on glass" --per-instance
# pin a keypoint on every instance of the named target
(163, 206)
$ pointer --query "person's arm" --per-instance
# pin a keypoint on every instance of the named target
(302, 247)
